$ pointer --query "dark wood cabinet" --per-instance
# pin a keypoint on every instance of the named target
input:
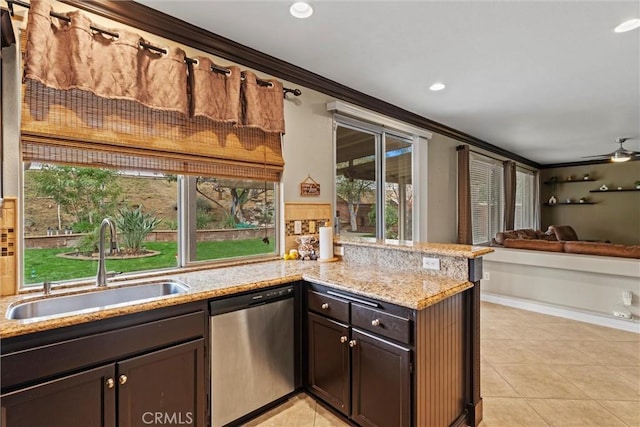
(142, 370)
(329, 361)
(358, 372)
(84, 399)
(164, 384)
(381, 382)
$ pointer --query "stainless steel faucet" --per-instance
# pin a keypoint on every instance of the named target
(101, 275)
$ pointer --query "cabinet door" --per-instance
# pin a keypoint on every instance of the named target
(165, 387)
(84, 399)
(381, 376)
(329, 361)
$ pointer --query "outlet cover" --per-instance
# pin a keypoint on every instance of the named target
(297, 227)
(431, 263)
(486, 276)
(312, 227)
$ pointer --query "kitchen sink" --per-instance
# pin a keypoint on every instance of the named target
(94, 300)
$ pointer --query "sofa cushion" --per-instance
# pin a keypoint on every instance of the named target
(526, 233)
(545, 235)
(536, 245)
(604, 249)
(564, 232)
(509, 234)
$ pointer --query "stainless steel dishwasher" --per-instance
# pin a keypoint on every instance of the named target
(252, 352)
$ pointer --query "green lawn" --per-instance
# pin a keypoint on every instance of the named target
(43, 264)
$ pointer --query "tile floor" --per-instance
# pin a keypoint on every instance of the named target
(537, 370)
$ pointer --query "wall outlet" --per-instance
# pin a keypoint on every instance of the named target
(486, 276)
(297, 227)
(312, 227)
(627, 296)
(431, 263)
(622, 314)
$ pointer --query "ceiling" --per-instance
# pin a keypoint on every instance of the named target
(547, 80)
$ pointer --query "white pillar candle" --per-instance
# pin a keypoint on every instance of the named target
(326, 242)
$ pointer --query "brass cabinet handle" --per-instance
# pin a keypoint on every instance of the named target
(110, 383)
(343, 339)
(375, 322)
(352, 343)
(123, 379)
(325, 306)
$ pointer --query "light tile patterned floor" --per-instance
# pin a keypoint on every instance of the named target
(537, 370)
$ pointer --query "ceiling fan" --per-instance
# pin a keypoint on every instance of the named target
(620, 155)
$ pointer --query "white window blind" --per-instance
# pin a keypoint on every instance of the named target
(487, 200)
(525, 199)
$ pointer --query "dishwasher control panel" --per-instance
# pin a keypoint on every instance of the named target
(238, 302)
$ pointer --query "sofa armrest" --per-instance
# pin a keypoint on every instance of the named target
(536, 245)
(604, 249)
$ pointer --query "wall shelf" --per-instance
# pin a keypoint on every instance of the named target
(614, 190)
(566, 204)
(567, 181)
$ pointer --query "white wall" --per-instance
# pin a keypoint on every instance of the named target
(308, 146)
(581, 283)
(442, 189)
(11, 119)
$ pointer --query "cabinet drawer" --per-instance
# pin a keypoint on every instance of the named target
(381, 323)
(329, 306)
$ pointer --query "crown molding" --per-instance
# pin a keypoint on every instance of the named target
(582, 163)
(140, 16)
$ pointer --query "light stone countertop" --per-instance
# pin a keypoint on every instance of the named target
(446, 249)
(408, 289)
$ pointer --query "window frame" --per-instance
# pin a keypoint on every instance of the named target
(495, 168)
(530, 188)
(380, 133)
(185, 240)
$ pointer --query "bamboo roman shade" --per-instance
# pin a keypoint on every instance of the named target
(105, 101)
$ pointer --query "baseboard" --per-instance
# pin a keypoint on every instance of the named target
(560, 311)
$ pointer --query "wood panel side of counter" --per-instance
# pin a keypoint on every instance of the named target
(440, 380)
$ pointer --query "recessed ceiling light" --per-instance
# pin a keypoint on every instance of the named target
(301, 10)
(437, 86)
(629, 25)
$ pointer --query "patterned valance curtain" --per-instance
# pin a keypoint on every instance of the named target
(103, 100)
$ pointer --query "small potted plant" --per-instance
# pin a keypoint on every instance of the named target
(637, 184)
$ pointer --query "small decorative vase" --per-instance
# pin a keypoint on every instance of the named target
(553, 200)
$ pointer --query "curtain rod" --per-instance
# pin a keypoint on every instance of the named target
(214, 68)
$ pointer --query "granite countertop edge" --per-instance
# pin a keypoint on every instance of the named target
(407, 289)
(445, 249)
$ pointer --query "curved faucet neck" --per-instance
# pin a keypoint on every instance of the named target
(101, 275)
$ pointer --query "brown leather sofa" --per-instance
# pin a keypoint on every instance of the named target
(561, 238)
